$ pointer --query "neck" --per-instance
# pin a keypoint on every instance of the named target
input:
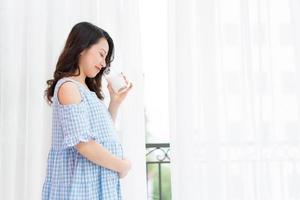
(80, 78)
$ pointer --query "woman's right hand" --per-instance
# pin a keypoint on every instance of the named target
(126, 167)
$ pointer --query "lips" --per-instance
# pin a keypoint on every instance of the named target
(97, 68)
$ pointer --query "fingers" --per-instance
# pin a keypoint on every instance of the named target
(125, 78)
(131, 85)
(127, 89)
(124, 91)
(122, 175)
(109, 87)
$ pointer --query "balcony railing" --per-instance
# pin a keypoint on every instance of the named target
(158, 171)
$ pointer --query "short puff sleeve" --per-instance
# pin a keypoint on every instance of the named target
(75, 124)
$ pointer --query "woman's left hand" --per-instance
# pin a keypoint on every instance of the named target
(118, 97)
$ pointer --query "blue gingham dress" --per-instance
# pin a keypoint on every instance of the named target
(70, 176)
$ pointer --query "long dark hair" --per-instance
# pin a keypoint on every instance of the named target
(82, 36)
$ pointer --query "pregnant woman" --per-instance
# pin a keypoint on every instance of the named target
(85, 161)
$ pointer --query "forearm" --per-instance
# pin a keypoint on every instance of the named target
(97, 154)
(113, 109)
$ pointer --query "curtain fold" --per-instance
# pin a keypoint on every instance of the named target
(32, 36)
(234, 99)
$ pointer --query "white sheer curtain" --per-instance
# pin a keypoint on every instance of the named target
(234, 99)
(32, 35)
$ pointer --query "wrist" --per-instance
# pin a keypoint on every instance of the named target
(114, 103)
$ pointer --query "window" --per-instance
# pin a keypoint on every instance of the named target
(155, 67)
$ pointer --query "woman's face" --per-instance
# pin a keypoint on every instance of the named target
(93, 59)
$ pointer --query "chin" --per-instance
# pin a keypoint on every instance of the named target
(92, 75)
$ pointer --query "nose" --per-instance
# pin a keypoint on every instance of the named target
(103, 63)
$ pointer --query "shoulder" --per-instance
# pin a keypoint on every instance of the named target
(68, 93)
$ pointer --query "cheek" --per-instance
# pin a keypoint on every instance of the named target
(98, 58)
(94, 58)
(90, 60)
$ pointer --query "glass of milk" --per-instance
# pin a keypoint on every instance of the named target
(116, 79)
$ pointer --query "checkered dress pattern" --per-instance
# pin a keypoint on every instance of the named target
(70, 176)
